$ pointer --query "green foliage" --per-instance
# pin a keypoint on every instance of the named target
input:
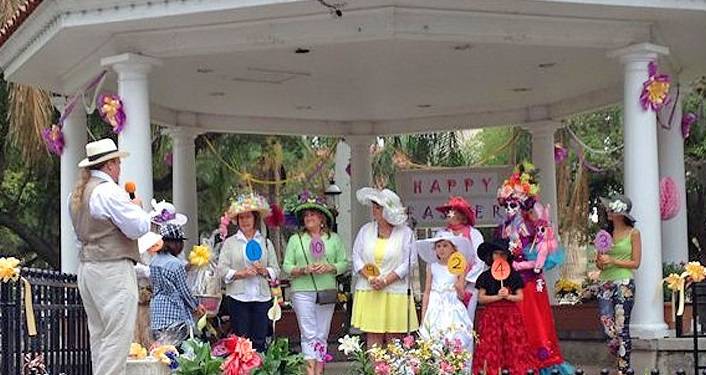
(280, 360)
(198, 361)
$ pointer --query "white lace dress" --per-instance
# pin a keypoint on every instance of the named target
(446, 315)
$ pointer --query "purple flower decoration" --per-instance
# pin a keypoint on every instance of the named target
(112, 111)
(655, 91)
(560, 153)
(169, 159)
(54, 138)
(603, 241)
(165, 216)
(687, 121)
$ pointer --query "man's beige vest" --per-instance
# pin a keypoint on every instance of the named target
(101, 240)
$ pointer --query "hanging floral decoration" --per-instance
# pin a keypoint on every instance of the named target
(112, 111)
(655, 91)
(54, 139)
(677, 283)
(669, 202)
(560, 153)
(687, 121)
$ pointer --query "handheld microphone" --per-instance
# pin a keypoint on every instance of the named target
(130, 187)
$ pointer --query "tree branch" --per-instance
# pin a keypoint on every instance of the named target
(38, 244)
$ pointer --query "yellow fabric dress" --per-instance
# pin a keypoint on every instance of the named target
(378, 311)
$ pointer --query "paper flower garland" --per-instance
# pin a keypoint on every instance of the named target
(112, 111)
(687, 121)
(669, 202)
(560, 153)
(54, 139)
(655, 90)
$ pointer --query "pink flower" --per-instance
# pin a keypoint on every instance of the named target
(686, 122)
(655, 91)
(603, 241)
(408, 342)
(446, 368)
(54, 139)
(382, 368)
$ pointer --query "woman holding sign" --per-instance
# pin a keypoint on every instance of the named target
(501, 329)
(249, 262)
(383, 257)
(313, 259)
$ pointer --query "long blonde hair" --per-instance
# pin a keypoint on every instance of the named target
(77, 194)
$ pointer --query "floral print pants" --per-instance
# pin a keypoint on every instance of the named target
(615, 301)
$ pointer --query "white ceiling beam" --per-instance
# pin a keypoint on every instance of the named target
(246, 124)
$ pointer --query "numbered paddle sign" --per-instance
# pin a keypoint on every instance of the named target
(500, 270)
(253, 251)
(371, 270)
(457, 263)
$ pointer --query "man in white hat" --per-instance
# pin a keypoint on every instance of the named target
(107, 225)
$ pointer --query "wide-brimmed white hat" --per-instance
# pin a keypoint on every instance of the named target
(101, 151)
(165, 213)
(147, 240)
(392, 210)
(426, 251)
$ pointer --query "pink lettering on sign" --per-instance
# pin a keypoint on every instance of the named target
(486, 182)
(417, 187)
(451, 184)
(435, 187)
(468, 182)
(428, 214)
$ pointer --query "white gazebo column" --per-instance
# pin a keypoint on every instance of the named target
(675, 238)
(136, 137)
(361, 176)
(184, 179)
(641, 182)
(343, 180)
(74, 151)
(543, 159)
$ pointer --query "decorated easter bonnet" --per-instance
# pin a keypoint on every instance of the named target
(146, 241)
(522, 186)
(459, 205)
(101, 151)
(393, 211)
(428, 254)
(618, 204)
(308, 201)
(165, 213)
(249, 202)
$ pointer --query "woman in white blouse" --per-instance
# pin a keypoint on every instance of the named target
(383, 257)
(249, 262)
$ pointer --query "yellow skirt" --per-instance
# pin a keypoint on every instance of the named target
(382, 312)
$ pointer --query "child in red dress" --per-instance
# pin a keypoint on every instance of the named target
(502, 335)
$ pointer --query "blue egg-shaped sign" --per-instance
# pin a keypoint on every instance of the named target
(253, 251)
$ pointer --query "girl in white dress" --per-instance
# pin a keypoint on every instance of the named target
(442, 307)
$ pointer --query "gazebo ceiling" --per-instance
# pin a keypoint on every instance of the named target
(384, 67)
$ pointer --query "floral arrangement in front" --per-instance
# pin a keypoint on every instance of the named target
(567, 292)
(410, 356)
(166, 354)
(241, 359)
(197, 359)
(279, 359)
(677, 283)
(522, 186)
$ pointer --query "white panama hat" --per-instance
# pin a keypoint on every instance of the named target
(392, 210)
(426, 251)
(101, 151)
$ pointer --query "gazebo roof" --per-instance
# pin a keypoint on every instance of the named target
(385, 67)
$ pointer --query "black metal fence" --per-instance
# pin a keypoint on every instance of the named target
(696, 328)
(62, 331)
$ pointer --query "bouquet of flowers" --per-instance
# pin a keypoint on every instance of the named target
(242, 359)
(567, 292)
(410, 356)
(603, 242)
